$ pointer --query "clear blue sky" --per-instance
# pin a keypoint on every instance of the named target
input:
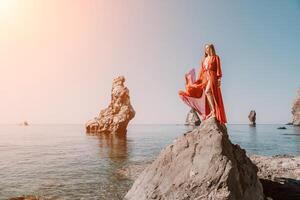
(59, 57)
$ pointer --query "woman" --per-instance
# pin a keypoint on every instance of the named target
(204, 94)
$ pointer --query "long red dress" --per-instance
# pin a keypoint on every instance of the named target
(195, 97)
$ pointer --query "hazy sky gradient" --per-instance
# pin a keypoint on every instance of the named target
(58, 57)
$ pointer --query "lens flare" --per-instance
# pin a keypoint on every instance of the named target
(8, 8)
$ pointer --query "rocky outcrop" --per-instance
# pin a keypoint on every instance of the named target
(278, 166)
(279, 175)
(252, 117)
(201, 164)
(116, 117)
(192, 118)
(296, 110)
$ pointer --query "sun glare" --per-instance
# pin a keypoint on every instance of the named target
(8, 8)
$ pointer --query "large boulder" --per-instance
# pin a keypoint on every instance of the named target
(296, 110)
(252, 117)
(201, 164)
(192, 118)
(116, 117)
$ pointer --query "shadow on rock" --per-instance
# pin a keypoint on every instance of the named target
(281, 189)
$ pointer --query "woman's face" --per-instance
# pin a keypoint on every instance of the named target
(207, 49)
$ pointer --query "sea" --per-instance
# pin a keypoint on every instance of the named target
(63, 162)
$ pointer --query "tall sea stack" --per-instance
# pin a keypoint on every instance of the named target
(115, 118)
(296, 110)
(252, 118)
(192, 118)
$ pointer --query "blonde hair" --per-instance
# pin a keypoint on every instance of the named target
(212, 47)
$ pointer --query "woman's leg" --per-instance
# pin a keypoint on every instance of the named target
(209, 95)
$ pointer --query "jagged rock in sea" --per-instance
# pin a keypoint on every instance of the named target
(201, 164)
(192, 118)
(296, 110)
(116, 117)
(252, 117)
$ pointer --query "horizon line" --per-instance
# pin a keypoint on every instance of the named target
(20, 124)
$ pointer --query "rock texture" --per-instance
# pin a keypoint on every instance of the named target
(252, 117)
(116, 117)
(279, 175)
(296, 110)
(201, 164)
(192, 118)
(28, 197)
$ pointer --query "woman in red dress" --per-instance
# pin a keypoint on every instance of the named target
(204, 94)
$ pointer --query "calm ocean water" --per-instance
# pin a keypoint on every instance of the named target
(61, 161)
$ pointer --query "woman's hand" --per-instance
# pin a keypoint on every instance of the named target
(193, 85)
(219, 82)
(188, 85)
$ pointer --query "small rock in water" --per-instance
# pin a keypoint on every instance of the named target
(281, 127)
(25, 123)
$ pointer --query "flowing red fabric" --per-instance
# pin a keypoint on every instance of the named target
(194, 95)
